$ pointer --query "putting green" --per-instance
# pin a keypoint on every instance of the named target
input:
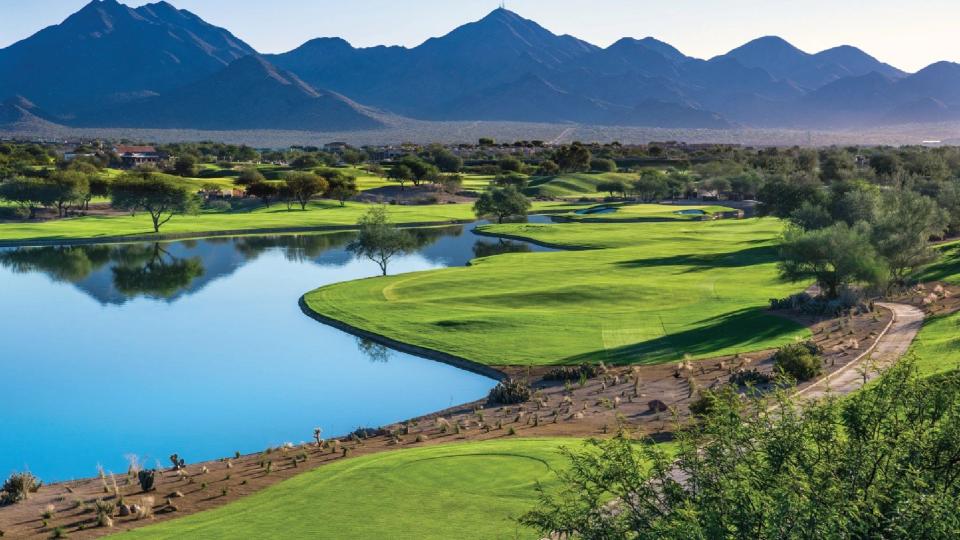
(634, 293)
(467, 490)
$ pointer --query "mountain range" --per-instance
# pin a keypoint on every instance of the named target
(110, 65)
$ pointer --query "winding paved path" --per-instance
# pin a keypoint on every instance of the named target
(890, 347)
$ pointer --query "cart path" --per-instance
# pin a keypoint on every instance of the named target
(890, 347)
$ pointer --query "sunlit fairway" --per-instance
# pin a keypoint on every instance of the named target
(453, 491)
(606, 213)
(633, 293)
(574, 184)
(277, 217)
(937, 346)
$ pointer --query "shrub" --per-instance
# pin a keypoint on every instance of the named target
(146, 479)
(509, 392)
(799, 360)
(819, 306)
(749, 377)
(18, 487)
(366, 433)
(572, 373)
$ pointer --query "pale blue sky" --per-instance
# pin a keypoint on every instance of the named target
(907, 34)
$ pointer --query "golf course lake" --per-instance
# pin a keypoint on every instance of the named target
(199, 348)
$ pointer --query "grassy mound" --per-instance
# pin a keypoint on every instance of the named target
(637, 293)
(573, 185)
(453, 491)
(607, 213)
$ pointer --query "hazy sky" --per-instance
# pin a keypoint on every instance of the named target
(907, 34)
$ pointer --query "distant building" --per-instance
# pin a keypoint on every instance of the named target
(134, 156)
(336, 147)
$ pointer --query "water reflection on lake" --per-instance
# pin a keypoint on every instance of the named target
(198, 347)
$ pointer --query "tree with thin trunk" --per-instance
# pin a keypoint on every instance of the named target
(156, 194)
(502, 203)
(305, 186)
(379, 240)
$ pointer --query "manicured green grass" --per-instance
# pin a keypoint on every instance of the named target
(467, 490)
(318, 214)
(640, 293)
(947, 268)
(937, 346)
(649, 212)
(573, 185)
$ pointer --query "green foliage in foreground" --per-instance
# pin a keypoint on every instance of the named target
(318, 214)
(454, 491)
(641, 293)
(884, 463)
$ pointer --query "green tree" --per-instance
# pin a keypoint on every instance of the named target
(651, 185)
(516, 180)
(185, 165)
(153, 193)
(879, 464)
(903, 231)
(614, 187)
(378, 239)
(400, 174)
(420, 170)
(502, 203)
(451, 183)
(447, 161)
(304, 186)
(340, 187)
(548, 168)
(249, 176)
(603, 165)
(28, 193)
(834, 256)
(572, 158)
(68, 188)
(510, 164)
(265, 191)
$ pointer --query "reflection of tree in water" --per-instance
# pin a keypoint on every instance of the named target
(374, 351)
(423, 237)
(69, 264)
(485, 248)
(296, 248)
(153, 272)
(138, 269)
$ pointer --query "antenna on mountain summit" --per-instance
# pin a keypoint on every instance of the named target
(503, 5)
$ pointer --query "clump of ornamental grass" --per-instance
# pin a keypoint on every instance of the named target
(18, 487)
(508, 392)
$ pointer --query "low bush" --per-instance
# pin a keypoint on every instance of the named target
(799, 360)
(366, 433)
(750, 377)
(820, 306)
(146, 479)
(572, 373)
(509, 392)
(18, 487)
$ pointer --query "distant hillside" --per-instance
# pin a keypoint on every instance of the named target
(156, 66)
(249, 94)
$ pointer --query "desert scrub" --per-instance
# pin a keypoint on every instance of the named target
(572, 373)
(509, 392)
(799, 360)
(18, 487)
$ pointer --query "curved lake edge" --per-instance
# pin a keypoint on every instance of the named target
(416, 350)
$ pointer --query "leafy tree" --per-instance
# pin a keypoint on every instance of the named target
(835, 256)
(305, 161)
(340, 187)
(572, 158)
(185, 165)
(420, 170)
(603, 165)
(613, 187)
(153, 193)
(451, 183)
(28, 193)
(265, 191)
(903, 231)
(379, 240)
(781, 196)
(510, 164)
(838, 165)
(401, 174)
(447, 161)
(548, 168)
(68, 188)
(516, 180)
(249, 176)
(503, 203)
(651, 185)
(353, 157)
(304, 186)
(879, 464)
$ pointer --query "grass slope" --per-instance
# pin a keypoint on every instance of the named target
(452, 491)
(937, 346)
(573, 185)
(638, 293)
(318, 214)
(647, 212)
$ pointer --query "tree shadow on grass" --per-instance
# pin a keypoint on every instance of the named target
(746, 329)
(702, 263)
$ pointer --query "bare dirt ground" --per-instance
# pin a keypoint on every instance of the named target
(645, 399)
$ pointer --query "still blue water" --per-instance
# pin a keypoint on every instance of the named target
(200, 348)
